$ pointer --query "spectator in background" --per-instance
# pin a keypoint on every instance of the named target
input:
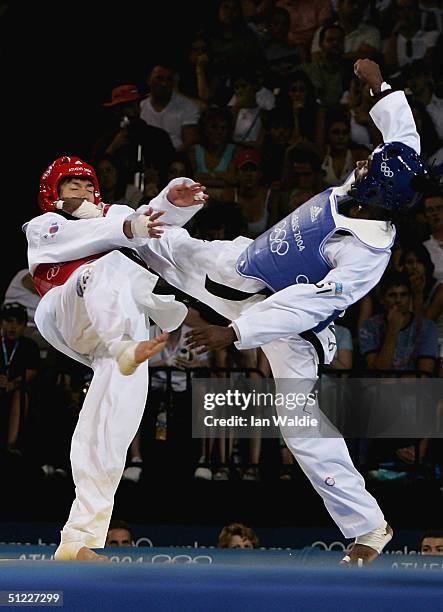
(298, 97)
(361, 39)
(258, 203)
(341, 154)
(237, 535)
(433, 207)
(246, 111)
(230, 38)
(170, 110)
(418, 78)
(114, 184)
(306, 16)
(21, 289)
(398, 339)
(344, 356)
(432, 543)
(119, 534)
(19, 365)
(213, 158)
(427, 291)
(407, 42)
(281, 55)
(301, 178)
(279, 125)
(256, 15)
(328, 72)
(127, 131)
(196, 80)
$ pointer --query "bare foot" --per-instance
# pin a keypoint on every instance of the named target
(138, 352)
(360, 554)
(86, 554)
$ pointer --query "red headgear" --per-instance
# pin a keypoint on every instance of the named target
(61, 168)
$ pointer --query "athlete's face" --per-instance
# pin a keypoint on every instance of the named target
(77, 188)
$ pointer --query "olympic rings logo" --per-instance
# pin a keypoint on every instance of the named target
(52, 272)
(277, 240)
(386, 170)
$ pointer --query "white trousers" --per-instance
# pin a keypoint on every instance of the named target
(325, 461)
(101, 306)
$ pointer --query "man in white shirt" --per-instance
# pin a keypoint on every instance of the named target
(168, 109)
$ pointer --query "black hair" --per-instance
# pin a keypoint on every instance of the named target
(118, 524)
(394, 279)
(14, 310)
(329, 26)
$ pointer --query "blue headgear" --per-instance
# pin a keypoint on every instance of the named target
(393, 179)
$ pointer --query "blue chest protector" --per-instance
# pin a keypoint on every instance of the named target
(291, 252)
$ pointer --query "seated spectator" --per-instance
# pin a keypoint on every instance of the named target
(219, 221)
(256, 15)
(427, 292)
(341, 154)
(114, 185)
(258, 203)
(246, 111)
(407, 42)
(419, 80)
(169, 110)
(19, 365)
(329, 73)
(279, 125)
(196, 79)
(298, 97)
(429, 140)
(230, 38)
(432, 543)
(237, 535)
(301, 178)
(281, 55)
(119, 534)
(344, 354)
(398, 339)
(361, 39)
(126, 131)
(433, 207)
(21, 289)
(213, 158)
(306, 17)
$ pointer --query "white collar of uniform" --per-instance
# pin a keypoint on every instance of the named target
(377, 235)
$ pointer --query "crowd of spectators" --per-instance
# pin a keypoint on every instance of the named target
(262, 107)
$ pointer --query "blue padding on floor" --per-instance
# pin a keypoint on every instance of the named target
(224, 588)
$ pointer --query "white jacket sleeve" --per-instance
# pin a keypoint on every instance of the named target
(54, 239)
(298, 308)
(393, 117)
(174, 215)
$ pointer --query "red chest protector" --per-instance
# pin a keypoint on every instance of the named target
(49, 275)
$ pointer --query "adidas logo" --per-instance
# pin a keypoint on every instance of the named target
(315, 211)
